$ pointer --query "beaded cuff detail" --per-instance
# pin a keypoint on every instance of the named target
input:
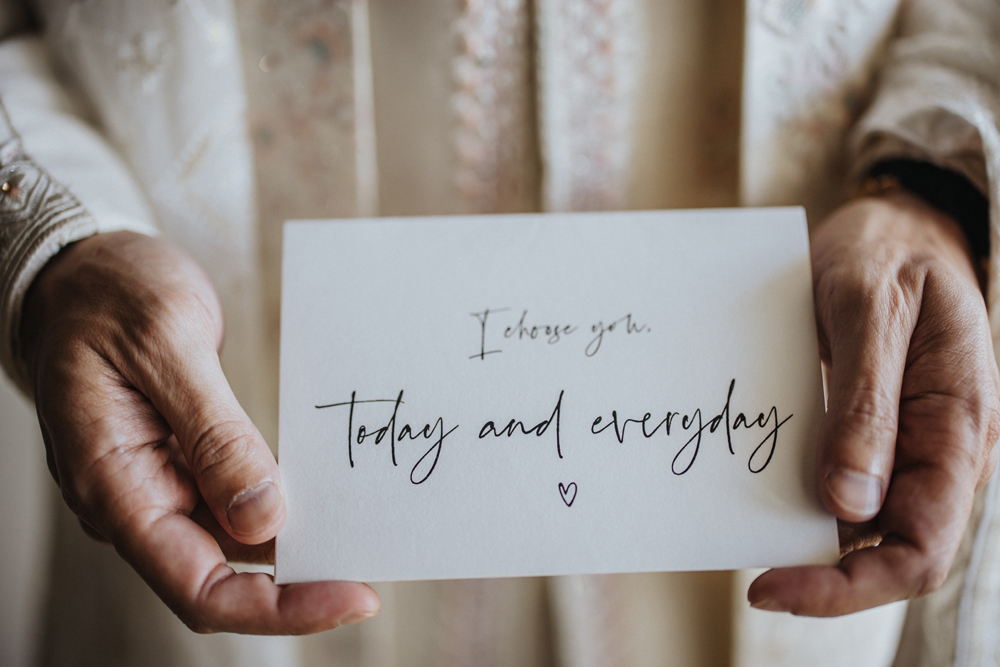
(38, 217)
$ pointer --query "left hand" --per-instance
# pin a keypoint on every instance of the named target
(913, 410)
(150, 447)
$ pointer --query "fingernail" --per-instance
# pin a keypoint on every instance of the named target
(768, 605)
(357, 617)
(857, 493)
(254, 509)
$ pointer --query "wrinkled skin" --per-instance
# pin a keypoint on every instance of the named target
(913, 411)
(148, 444)
(153, 453)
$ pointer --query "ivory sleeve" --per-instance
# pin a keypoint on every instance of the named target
(939, 92)
(60, 181)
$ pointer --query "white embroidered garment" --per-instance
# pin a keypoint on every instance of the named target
(41, 135)
(353, 107)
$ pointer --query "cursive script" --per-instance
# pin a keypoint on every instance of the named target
(692, 424)
(695, 424)
(420, 471)
(539, 429)
(528, 328)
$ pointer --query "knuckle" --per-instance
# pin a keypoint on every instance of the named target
(79, 488)
(74, 495)
(221, 447)
(993, 425)
(988, 461)
(87, 494)
(198, 611)
(871, 410)
(176, 316)
(988, 468)
(928, 563)
(981, 414)
(882, 288)
(181, 305)
(933, 577)
(845, 296)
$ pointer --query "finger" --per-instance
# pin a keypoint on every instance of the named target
(868, 330)
(232, 465)
(153, 314)
(235, 552)
(190, 574)
(138, 490)
(858, 583)
(922, 522)
(90, 422)
(948, 418)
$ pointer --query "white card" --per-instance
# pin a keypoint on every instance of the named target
(525, 395)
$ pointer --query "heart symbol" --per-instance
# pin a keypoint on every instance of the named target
(568, 493)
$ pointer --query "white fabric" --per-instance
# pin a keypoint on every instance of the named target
(809, 68)
(453, 128)
(165, 83)
(70, 184)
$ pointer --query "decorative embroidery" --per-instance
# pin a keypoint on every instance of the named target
(299, 61)
(810, 79)
(494, 106)
(589, 72)
(38, 216)
(786, 16)
(29, 197)
(313, 134)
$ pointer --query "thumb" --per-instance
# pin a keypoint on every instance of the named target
(858, 436)
(235, 471)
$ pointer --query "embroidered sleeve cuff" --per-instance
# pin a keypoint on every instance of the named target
(38, 217)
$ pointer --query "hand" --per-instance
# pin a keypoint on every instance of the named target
(148, 444)
(913, 409)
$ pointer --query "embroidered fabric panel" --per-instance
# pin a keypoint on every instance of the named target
(588, 62)
(494, 110)
(310, 118)
(807, 78)
(301, 62)
(38, 217)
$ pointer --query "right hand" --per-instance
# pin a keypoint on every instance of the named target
(914, 405)
(147, 441)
